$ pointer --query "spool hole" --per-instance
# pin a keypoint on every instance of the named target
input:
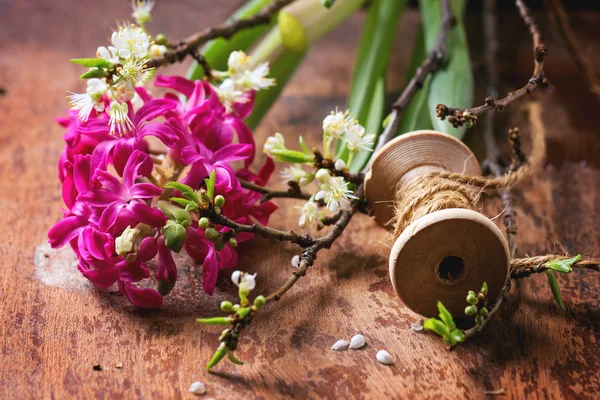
(451, 269)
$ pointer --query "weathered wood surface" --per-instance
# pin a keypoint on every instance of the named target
(53, 333)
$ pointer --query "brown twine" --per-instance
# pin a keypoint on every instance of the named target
(436, 191)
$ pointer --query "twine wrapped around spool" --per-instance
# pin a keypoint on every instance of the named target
(426, 186)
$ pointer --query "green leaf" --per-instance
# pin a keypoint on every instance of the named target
(94, 73)
(449, 340)
(216, 52)
(183, 188)
(191, 207)
(416, 115)
(243, 312)
(181, 202)
(233, 359)
(292, 156)
(484, 288)
(218, 356)
(446, 316)
(555, 289)
(92, 62)
(437, 326)
(564, 266)
(458, 335)
(453, 84)
(172, 211)
(215, 321)
(366, 100)
(210, 184)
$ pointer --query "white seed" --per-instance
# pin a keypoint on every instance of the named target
(357, 341)
(384, 357)
(340, 345)
(416, 326)
(197, 388)
(296, 261)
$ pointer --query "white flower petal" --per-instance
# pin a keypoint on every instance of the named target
(197, 388)
(357, 341)
(296, 261)
(384, 357)
(235, 277)
(340, 345)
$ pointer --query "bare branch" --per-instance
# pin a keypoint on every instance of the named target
(225, 31)
(459, 116)
(293, 192)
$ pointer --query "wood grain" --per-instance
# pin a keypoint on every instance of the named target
(50, 336)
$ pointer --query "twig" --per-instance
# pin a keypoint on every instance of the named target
(201, 60)
(309, 255)
(560, 21)
(225, 31)
(524, 267)
(432, 63)
(293, 192)
(459, 116)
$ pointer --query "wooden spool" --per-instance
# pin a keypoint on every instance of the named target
(442, 255)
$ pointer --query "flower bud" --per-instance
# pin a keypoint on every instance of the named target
(479, 320)
(160, 39)
(483, 311)
(226, 306)
(260, 302)
(219, 201)
(481, 296)
(174, 236)
(165, 287)
(211, 234)
(470, 310)
(219, 245)
(203, 222)
(471, 298)
(233, 242)
(124, 243)
(340, 164)
(322, 175)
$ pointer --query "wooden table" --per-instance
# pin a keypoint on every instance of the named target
(56, 326)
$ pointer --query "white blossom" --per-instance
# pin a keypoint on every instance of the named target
(296, 261)
(107, 54)
(84, 103)
(229, 94)
(293, 173)
(356, 139)
(357, 342)
(246, 78)
(135, 71)
(334, 124)
(310, 212)
(141, 10)
(157, 50)
(276, 142)
(119, 121)
(123, 91)
(384, 357)
(238, 62)
(244, 280)
(130, 42)
(335, 193)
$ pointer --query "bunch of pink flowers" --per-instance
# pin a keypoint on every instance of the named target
(111, 185)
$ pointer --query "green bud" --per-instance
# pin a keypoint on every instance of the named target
(219, 201)
(483, 311)
(160, 39)
(211, 234)
(479, 320)
(480, 296)
(203, 222)
(165, 287)
(469, 123)
(218, 356)
(236, 307)
(328, 3)
(226, 306)
(484, 288)
(233, 242)
(218, 210)
(174, 236)
(260, 302)
(219, 245)
(215, 321)
(243, 312)
(472, 298)
(470, 310)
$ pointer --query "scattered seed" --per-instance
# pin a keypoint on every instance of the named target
(197, 388)
(357, 342)
(97, 367)
(384, 357)
(416, 326)
(340, 345)
(119, 365)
